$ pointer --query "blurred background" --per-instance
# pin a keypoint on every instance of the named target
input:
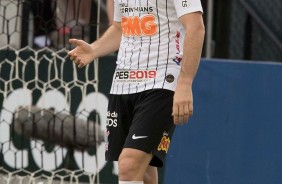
(236, 29)
(53, 115)
(246, 30)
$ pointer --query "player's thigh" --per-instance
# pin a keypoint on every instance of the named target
(134, 161)
(151, 175)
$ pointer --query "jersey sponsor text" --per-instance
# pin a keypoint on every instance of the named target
(139, 26)
(134, 75)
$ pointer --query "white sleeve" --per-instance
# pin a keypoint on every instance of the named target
(117, 13)
(183, 7)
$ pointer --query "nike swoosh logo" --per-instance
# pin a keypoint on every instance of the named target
(138, 137)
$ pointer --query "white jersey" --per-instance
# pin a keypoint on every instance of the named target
(151, 48)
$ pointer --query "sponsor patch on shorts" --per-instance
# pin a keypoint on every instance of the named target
(165, 142)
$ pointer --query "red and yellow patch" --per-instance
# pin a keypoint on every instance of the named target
(164, 144)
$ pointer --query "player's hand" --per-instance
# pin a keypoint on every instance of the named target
(182, 103)
(82, 54)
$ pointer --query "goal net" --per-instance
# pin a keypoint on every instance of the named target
(52, 115)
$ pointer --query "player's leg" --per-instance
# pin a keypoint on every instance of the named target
(151, 175)
(133, 164)
(151, 131)
(139, 135)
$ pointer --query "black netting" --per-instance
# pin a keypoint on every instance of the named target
(52, 115)
(40, 23)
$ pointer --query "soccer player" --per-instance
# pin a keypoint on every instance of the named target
(160, 43)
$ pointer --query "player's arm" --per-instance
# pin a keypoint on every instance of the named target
(85, 53)
(109, 42)
(193, 43)
(110, 11)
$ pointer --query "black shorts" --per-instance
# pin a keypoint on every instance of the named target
(141, 121)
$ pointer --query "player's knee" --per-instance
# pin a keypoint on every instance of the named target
(128, 168)
(151, 177)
